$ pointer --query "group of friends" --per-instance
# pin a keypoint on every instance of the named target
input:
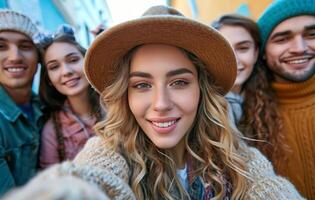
(161, 107)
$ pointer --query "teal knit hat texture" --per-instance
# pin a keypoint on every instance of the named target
(280, 10)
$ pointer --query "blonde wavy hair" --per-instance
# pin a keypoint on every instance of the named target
(211, 145)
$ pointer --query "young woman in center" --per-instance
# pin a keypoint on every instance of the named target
(162, 79)
(167, 135)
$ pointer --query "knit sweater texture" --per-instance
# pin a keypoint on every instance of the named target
(264, 183)
(100, 174)
(297, 107)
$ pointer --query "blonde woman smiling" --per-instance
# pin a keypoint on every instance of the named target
(162, 78)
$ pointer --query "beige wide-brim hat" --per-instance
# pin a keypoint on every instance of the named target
(160, 25)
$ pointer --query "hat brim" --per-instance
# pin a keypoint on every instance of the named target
(203, 41)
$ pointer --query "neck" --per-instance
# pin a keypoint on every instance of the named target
(178, 154)
(294, 92)
(20, 95)
(236, 89)
(80, 104)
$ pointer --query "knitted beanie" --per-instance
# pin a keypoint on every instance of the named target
(12, 20)
(280, 10)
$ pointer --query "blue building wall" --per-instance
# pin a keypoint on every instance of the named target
(52, 18)
(3, 4)
(47, 14)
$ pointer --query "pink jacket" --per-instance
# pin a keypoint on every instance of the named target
(75, 132)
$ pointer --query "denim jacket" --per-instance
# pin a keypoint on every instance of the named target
(19, 142)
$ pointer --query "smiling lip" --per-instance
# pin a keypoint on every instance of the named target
(165, 125)
(298, 62)
(71, 82)
(15, 71)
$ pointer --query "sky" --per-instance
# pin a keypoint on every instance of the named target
(123, 10)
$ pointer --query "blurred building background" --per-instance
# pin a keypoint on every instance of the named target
(208, 10)
(83, 15)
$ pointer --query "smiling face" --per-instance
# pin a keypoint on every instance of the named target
(290, 49)
(163, 93)
(18, 60)
(245, 51)
(64, 64)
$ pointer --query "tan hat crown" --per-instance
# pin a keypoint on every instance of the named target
(15, 21)
(160, 25)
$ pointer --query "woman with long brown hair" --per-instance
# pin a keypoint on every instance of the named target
(72, 106)
(162, 79)
(250, 99)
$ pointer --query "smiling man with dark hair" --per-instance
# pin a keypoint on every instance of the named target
(20, 114)
(288, 50)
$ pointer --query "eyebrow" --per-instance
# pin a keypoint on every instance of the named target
(244, 42)
(20, 41)
(178, 72)
(168, 74)
(68, 55)
(284, 33)
(72, 54)
(279, 34)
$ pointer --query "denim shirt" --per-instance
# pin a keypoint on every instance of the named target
(19, 142)
(197, 190)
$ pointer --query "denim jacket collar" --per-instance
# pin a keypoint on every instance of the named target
(11, 111)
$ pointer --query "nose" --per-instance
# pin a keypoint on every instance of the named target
(15, 55)
(161, 100)
(66, 69)
(298, 45)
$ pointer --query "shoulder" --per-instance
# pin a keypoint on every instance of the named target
(70, 181)
(96, 153)
(263, 182)
(48, 129)
(257, 163)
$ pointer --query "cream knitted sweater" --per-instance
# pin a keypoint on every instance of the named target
(265, 184)
(107, 171)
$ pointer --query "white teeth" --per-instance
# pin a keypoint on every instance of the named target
(15, 69)
(300, 61)
(164, 124)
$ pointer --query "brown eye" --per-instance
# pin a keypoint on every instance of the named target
(281, 39)
(52, 67)
(26, 46)
(74, 59)
(310, 34)
(3, 46)
(179, 83)
(243, 48)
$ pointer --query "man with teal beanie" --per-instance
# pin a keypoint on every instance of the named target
(287, 29)
(20, 113)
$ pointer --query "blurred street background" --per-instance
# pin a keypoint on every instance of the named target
(85, 15)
